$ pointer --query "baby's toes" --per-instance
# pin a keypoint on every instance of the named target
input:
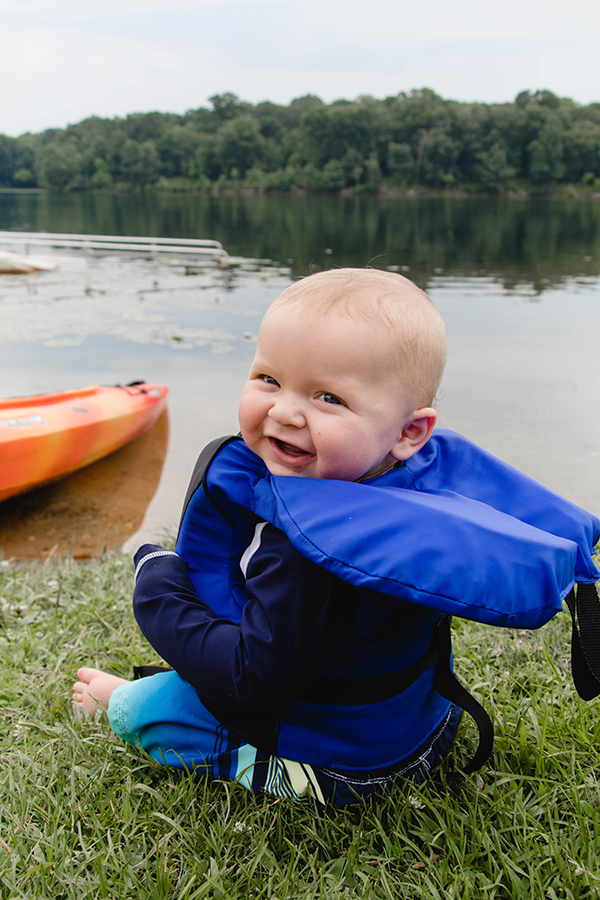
(86, 674)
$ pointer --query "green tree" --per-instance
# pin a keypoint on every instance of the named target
(281, 180)
(140, 163)
(176, 150)
(401, 163)
(373, 172)
(239, 144)
(334, 177)
(271, 119)
(24, 178)
(353, 165)
(581, 150)
(295, 112)
(492, 171)
(333, 131)
(228, 106)
(7, 159)
(142, 127)
(101, 178)
(546, 165)
(59, 165)
(309, 178)
(205, 163)
(439, 158)
(411, 114)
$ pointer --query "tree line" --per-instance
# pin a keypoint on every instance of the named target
(416, 139)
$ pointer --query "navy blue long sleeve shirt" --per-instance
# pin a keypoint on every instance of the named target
(285, 640)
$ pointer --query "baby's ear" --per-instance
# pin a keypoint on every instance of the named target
(415, 433)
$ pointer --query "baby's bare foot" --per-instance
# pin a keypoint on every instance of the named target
(94, 689)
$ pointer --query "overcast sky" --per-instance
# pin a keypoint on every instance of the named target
(64, 60)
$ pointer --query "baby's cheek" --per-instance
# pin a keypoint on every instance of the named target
(249, 408)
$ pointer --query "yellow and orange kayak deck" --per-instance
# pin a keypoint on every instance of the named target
(47, 436)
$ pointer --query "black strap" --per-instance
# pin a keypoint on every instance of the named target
(584, 607)
(145, 671)
(200, 472)
(447, 684)
(356, 690)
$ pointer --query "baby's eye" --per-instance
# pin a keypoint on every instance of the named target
(326, 397)
(269, 380)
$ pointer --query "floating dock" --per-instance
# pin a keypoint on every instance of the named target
(189, 248)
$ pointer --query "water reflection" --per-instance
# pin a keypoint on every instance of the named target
(534, 242)
(99, 506)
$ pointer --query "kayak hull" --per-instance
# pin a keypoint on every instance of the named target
(45, 437)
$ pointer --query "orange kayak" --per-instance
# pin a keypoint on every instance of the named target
(50, 435)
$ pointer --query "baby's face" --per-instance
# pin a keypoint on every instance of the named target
(323, 398)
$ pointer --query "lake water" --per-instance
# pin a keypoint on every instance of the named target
(516, 282)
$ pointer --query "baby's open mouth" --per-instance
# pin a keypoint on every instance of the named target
(290, 449)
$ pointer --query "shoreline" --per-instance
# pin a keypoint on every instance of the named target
(391, 192)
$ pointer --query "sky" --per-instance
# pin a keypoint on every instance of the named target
(63, 61)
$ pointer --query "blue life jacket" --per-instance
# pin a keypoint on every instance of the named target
(454, 530)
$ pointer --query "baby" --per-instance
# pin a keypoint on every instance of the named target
(305, 683)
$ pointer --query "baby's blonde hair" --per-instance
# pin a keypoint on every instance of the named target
(388, 301)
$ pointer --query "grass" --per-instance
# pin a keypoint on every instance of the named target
(82, 815)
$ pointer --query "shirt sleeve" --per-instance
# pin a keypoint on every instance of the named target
(284, 640)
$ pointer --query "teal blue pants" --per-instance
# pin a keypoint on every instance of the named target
(163, 715)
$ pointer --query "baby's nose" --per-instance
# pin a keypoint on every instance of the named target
(287, 411)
